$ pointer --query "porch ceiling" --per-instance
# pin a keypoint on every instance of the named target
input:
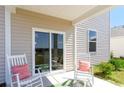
(74, 13)
(68, 12)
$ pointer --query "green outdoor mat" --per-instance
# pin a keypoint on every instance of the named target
(70, 83)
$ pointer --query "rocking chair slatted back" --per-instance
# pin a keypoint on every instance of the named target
(84, 57)
(17, 60)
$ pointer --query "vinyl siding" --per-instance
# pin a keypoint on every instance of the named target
(69, 50)
(101, 25)
(117, 31)
(116, 45)
(2, 44)
(23, 22)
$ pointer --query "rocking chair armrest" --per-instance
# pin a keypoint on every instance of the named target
(15, 75)
(38, 69)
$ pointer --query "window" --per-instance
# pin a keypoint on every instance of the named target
(92, 40)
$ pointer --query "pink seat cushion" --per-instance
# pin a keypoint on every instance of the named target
(84, 66)
(22, 70)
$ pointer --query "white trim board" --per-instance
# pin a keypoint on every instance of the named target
(47, 30)
(7, 41)
(33, 46)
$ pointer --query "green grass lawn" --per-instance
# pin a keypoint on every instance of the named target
(117, 77)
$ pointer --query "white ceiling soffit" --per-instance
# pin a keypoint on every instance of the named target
(67, 12)
(74, 13)
(93, 12)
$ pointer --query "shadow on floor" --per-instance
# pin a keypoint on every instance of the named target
(3, 85)
(46, 82)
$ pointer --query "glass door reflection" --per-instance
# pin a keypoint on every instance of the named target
(57, 51)
(42, 57)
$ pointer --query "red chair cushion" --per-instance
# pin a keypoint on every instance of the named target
(84, 66)
(22, 70)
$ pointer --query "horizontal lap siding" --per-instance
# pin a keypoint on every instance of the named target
(117, 31)
(69, 50)
(22, 23)
(101, 24)
(117, 36)
(2, 44)
(117, 46)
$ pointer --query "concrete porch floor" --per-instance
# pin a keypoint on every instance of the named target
(59, 78)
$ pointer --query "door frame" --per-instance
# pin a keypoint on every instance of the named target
(33, 47)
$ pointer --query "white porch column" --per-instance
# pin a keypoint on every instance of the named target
(75, 49)
(8, 10)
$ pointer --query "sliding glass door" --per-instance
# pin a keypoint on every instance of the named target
(49, 51)
(42, 50)
(57, 51)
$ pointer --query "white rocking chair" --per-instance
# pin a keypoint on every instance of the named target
(80, 74)
(31, 81)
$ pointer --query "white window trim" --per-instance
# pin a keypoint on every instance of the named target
(92, 41)
(33, 46)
